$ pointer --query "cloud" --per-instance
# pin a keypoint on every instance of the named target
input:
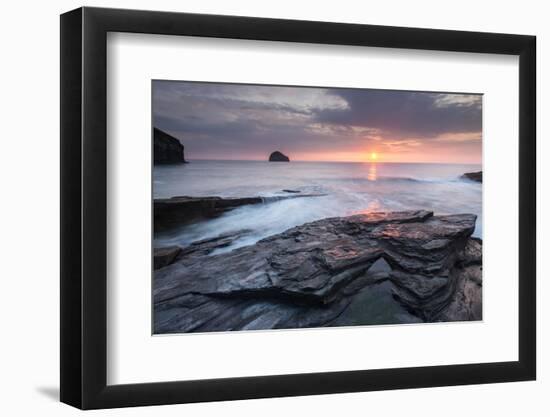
(247, 97)
(458, 100)
(459, 137)
(404, 113)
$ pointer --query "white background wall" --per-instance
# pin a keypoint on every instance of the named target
(29, 172)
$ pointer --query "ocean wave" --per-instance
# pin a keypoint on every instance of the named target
(390, 179)
(347, 189)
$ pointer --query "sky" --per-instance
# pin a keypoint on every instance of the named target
(248, 122)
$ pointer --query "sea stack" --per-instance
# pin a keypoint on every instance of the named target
(278, 157)
(474, 176)
(167, 149)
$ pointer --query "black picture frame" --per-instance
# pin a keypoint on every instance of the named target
(84, 207)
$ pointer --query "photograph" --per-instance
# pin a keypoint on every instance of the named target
(290, 207)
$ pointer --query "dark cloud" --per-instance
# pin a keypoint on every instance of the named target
(403, 113)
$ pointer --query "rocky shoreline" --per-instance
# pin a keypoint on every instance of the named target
(474, 176)
(377, 268)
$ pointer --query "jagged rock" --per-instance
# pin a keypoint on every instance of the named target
(377, 268)
(169, 212)
(465, 303)
(278, 157)
(165, 256)
(166, 148)
(471, 254)
(474, 176)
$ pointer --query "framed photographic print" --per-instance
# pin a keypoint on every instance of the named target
(257, 208)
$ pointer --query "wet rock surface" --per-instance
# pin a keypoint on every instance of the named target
(378, 268)
(165, 256)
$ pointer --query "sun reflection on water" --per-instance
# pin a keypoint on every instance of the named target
(372, 174)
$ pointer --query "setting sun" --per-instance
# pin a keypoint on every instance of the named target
(373, 156)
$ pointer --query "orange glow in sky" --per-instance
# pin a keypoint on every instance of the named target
(449, 148)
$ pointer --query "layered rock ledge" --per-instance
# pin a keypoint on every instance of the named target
(378, 268)
(169, 212)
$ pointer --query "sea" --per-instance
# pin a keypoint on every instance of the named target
(347, 188)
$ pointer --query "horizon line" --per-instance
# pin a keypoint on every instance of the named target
(335, 162)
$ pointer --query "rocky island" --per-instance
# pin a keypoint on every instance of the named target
(474, 176)
(377, 268)
(166, 148)
(278, 157)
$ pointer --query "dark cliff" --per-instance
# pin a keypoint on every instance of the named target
(167, 149)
